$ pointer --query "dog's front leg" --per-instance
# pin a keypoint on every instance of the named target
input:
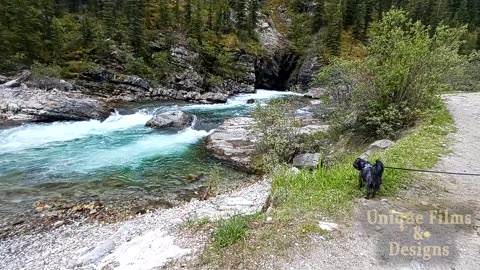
(360, 182)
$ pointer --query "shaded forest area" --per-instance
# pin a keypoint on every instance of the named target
(67, 37)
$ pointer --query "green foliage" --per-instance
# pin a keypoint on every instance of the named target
(398, 80)
(280, 134)
(333, 191)
(40, 71)
(230, 231)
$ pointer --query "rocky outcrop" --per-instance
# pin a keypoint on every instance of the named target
(232, 142)
(316, 93)
(114, 86)
(309, 161)
(187, 83)
(27, 104)
(17, 82)
(304, 73)
(176, 119)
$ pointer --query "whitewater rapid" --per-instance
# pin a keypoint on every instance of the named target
(30, 136)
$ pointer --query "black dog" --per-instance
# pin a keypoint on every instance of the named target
(370, 175)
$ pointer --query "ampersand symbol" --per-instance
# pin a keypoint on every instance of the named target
(417, 235)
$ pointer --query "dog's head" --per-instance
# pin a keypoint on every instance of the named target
(359, 164)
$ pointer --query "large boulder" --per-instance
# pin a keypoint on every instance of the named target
(377, 146)
(309, 161)
(33, 104)
(177, 119)
(233, 142)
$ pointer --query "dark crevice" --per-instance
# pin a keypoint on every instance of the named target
(274, 72)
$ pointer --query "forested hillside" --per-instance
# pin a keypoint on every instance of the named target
(67, 37)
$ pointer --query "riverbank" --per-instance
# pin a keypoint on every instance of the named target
(91, 171)
(319, 218)
(144, 242)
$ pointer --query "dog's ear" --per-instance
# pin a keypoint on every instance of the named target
(358, 164)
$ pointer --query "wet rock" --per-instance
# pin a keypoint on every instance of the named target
(233, 142)
(316, 93)
(310, 161)
(33, 104)
(176, 119)
(195, 178)
(251, 101)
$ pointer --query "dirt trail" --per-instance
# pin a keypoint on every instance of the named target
(370, 246)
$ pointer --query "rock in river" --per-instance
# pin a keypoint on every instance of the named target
(232, 142)
(177, 119)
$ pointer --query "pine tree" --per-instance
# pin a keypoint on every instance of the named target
(360, 21)
(318, 20)
(134, 10)
(462, 16)
(177, 15)
(440, 13)
(164, 13)
(188, 13)
(241, 16)
(108, 16)
(334, 29)
(253, 14)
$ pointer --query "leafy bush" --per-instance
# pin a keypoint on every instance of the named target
(279, 130)
(230, 231)
(40, 71)
(137, 66)
(468, 78)
(405, 67)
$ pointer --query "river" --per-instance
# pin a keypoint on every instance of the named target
(117, 159)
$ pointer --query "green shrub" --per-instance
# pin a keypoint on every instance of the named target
(230, 231)
(280, 138)
(77, 67)
(405, 68)
(40, 71)
(333, 191)
(137, 66)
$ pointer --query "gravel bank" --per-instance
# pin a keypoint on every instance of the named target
(146, 242)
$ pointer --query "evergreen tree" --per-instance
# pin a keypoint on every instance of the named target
(164, 10)
(334, 29)
(253, 14)
(188, 13)
(462, 16)
(134, 10)
(360, 21)
(241, 16)
(318, 20)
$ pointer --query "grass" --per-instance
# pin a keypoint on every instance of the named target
(303, 199)
(230, 231)
(333, 191)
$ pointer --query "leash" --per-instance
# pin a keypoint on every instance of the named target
(428, 171)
